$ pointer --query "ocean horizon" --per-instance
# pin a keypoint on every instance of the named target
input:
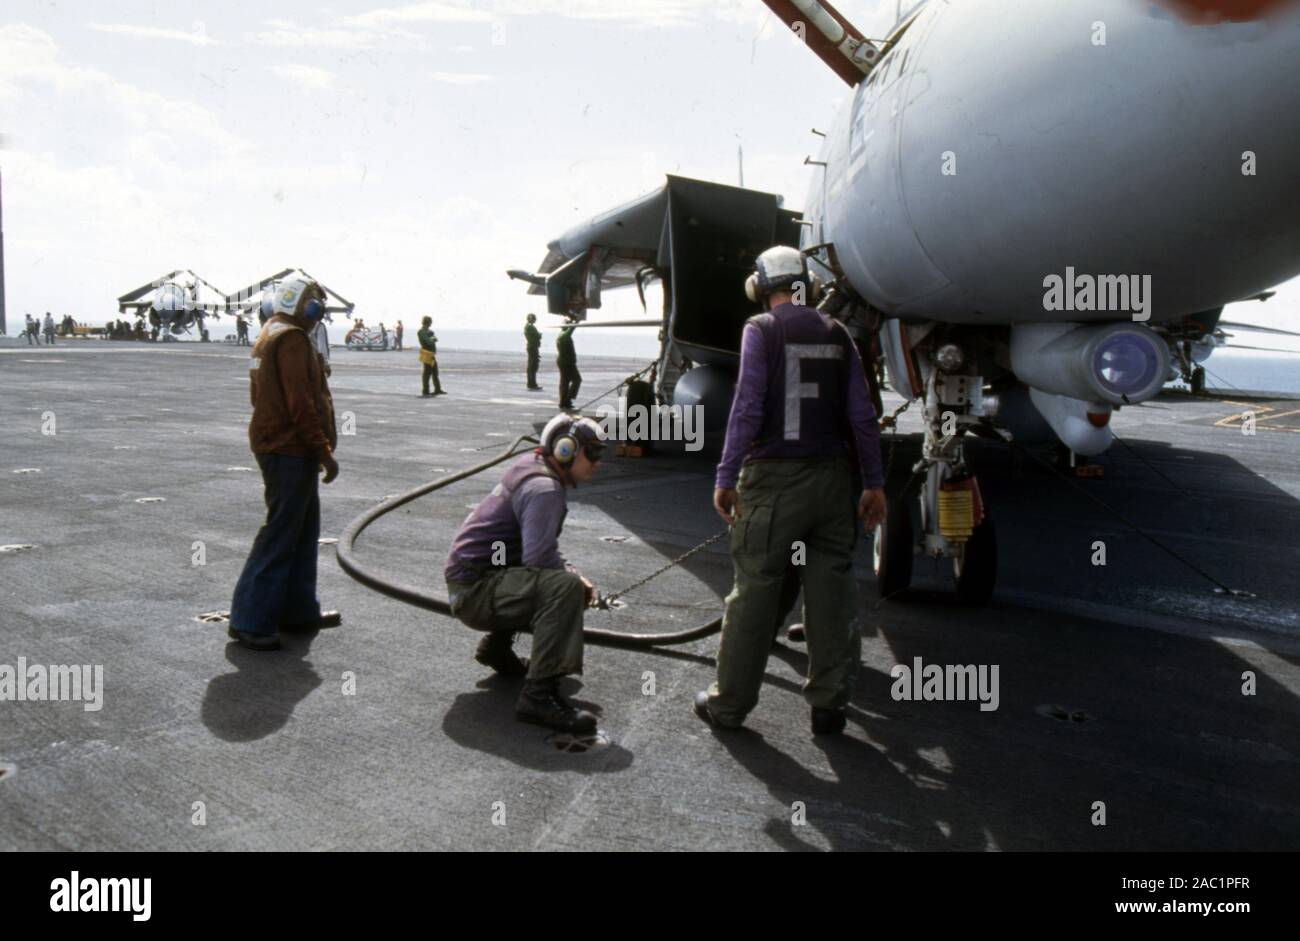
(1275, 371)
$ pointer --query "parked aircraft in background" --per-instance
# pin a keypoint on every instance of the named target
(174, 303)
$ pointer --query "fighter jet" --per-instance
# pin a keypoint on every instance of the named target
(1035, 211)
(174, 303)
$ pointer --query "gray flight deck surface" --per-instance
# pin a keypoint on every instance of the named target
(1120, 684)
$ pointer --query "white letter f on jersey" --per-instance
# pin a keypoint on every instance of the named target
(796, 391)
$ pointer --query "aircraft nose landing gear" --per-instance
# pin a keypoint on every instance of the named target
(892, 550)
(975, 566)
(954, 523)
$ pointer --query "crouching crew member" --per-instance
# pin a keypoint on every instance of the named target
(505, 573)
(801, 405)
(292, 435)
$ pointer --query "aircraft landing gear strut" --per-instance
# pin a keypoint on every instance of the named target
(1185, 357)
(953, 522)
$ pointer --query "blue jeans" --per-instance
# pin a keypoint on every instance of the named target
(278, 584)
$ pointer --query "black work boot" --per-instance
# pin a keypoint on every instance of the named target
(254, 641)
(704, 712)
(702, 707)
(540, 702)
(828, 721)
(324, 620)
(496, 650)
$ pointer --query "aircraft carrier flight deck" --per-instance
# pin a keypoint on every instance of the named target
(1123, 683)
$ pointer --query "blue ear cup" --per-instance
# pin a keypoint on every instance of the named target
(314, 310)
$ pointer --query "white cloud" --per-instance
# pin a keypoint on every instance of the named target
(197, 35)
(381, 26)
(109, 183)
(30, 66)
(115, 181)
(26, 50)
(460, 78)
(640, 13)
(660, 13)
(285, 34)
(305, 77)
(421, 13)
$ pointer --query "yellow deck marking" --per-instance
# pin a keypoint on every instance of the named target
(1266, 417)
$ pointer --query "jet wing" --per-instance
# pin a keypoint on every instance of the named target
(208, 298)
(701, 238)
(211, 299)
(608, 251)
(250, 295)
(132, 298)
(1276, 331)
(249, 298)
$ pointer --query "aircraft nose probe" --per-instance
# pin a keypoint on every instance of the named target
(419, 598)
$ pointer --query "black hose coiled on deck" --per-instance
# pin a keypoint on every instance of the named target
(430, 602)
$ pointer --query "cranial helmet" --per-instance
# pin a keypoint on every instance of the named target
(287, 299)
(778, 267)
(565, 435)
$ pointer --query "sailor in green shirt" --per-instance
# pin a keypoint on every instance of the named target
(567, 360)
(429, 356)
(533, 340)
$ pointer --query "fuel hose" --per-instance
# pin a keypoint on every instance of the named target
(419, 598)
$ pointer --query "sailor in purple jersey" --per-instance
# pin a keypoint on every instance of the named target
(786, 487)
(505, 573)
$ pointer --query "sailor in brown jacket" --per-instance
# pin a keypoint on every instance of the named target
(293, 437)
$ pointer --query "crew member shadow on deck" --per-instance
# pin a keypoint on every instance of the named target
(475, 721)
(258, 699)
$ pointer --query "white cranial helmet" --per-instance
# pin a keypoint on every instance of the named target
(778, 267)
(287, 298)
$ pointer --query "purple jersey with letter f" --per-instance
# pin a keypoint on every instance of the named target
(801, 394)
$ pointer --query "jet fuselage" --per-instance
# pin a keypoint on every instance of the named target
(999, 143)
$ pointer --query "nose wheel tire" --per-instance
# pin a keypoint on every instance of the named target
(641, 393)
(891, 553)
(976, 572)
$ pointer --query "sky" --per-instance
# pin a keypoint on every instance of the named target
(405, 155)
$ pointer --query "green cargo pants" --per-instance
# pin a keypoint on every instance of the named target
(548, 603)
(803, 511)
